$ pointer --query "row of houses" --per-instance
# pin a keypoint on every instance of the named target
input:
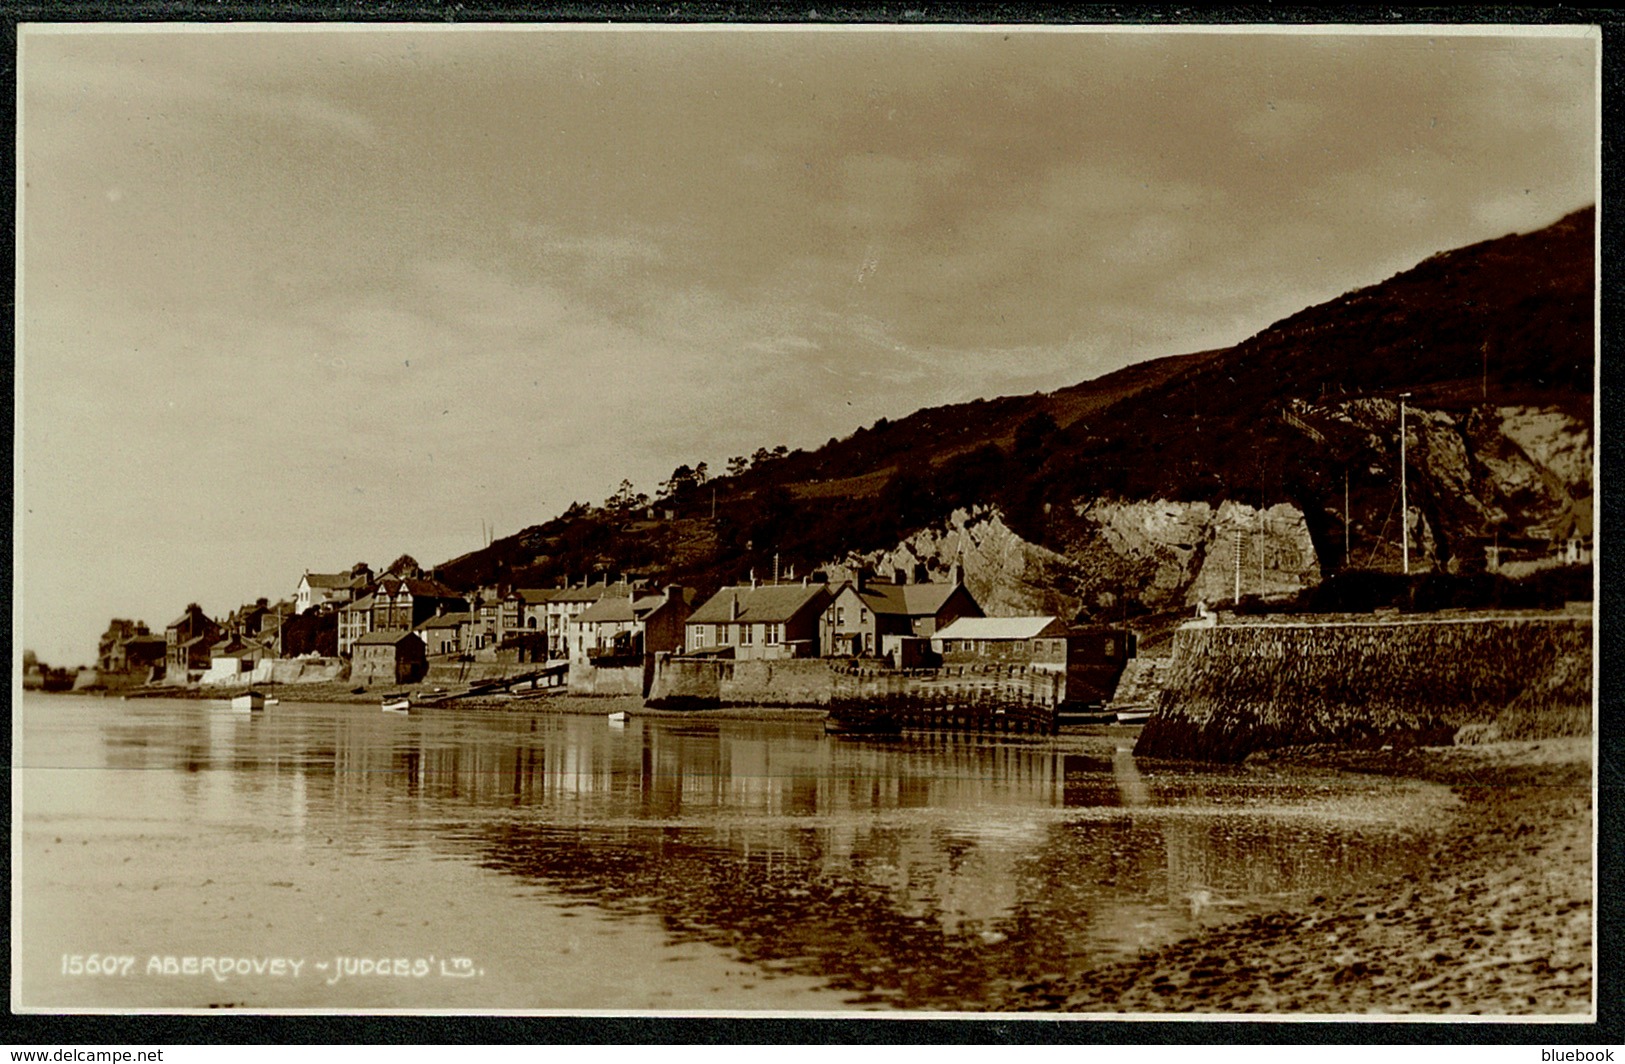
(390, 625)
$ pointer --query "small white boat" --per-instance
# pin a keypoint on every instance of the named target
(618, 717)
(397, 703)
(248, 701)
(1133, 716)
(273, 701)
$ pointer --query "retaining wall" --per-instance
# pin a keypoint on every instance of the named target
(588, 679)
(1232, 690)
(957, 696)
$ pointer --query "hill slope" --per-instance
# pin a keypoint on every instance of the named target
(1492, 341)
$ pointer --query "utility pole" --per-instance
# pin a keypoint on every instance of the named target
(1238, 565)
(1261, 548)
(1404, 506)
(1345, 517)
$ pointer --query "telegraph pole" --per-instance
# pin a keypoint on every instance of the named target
(1238, 565)
(1345, 517)
(1404, 507)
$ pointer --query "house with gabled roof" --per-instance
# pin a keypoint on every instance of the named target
(631, 625)
(446, 634)
(565, 604)
(405, 602)
(866, 614)
(322, 589)
(355, 621)
(187, 641)
(759, 621)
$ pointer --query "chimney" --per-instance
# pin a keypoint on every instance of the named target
(733, 607)
(859, 578)
(671, 591)
(899, 574)
(753, 583)
(956, 574)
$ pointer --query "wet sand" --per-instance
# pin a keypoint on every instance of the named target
(1502, 927)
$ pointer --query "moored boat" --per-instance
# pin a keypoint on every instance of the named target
(875, 725)
(1133, 715)
(248, 701)
(618, 717)
(397, 703)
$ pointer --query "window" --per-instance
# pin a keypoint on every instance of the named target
(840, 615)
(863, 615)
(772, 635)
(745, 635)
(721, 632)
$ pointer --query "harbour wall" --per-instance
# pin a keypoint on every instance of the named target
(958, 696)
(1231, 690)
(619, 680)
(680, 682)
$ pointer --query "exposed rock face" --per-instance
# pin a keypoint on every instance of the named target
(1491, 474)
(1166, 555)
(1007, 575)
(1204, 554)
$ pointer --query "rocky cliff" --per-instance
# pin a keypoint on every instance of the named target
(1160, 554)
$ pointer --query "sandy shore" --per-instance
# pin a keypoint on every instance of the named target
(1502, 927)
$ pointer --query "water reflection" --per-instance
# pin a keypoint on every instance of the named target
(923, 872)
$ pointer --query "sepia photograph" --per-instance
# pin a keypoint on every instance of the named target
(806, 520)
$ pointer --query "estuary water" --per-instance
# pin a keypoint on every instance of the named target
(175, 854)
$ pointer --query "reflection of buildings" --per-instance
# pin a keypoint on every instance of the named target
(894, 867)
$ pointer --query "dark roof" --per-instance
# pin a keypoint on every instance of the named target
(186, 618)
(331, 581)
(906, 600)
(767, 603)
(535, 595)
(448, 620)
(591, 593)
(619, 609)
(385, 637)
(419, 588)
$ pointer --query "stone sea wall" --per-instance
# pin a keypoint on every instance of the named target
(1235, 689)
(686, 682)
(605, 680)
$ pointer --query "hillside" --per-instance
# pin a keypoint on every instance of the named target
(1492, 341)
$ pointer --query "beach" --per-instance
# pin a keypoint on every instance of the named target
(1503, 926)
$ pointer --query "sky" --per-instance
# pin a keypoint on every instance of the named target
(293, 298)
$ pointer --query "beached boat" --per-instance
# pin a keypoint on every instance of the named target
(618, 717)
(1133, 716)
(397, 703)
(248, 701)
